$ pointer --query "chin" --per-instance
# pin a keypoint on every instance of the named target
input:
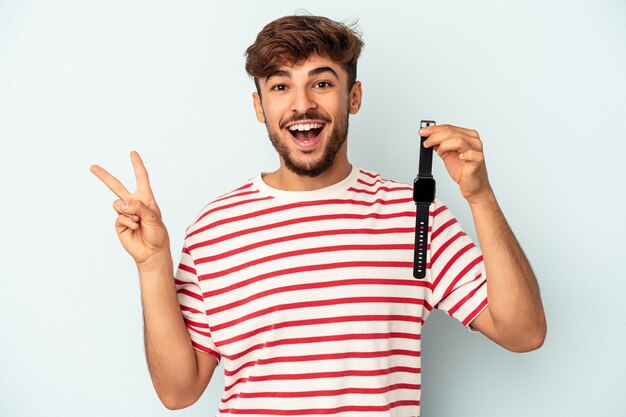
(308, 167)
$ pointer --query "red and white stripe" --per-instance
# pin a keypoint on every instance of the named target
(309, 297)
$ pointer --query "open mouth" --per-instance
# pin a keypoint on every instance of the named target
(306, 135)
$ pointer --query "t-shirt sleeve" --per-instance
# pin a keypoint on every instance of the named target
(459, 281)
(192, 305)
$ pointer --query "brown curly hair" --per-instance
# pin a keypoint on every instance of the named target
(291, 40)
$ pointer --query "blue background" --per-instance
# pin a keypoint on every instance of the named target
(86, 82)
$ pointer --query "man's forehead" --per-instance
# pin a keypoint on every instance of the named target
(313, 60)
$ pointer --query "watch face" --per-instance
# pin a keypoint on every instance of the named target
(424, 190)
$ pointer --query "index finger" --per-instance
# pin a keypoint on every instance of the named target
(111, 182)
(141, 174)
(439, 128)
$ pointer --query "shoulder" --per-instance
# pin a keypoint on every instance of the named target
(224, 203)
(372, 182)
(376, 177)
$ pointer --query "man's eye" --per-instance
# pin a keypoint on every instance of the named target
(323, 84)
(279, 87)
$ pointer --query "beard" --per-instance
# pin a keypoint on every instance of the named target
(311, 167)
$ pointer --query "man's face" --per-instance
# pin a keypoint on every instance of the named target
(305, 109)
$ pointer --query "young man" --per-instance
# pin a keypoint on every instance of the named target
(301, 279)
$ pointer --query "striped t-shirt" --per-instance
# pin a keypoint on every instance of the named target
(309, 296)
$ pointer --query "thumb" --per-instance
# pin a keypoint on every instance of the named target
(140, 209)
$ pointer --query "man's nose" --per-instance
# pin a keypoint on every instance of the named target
(302, 100)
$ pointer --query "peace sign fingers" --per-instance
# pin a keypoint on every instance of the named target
(139, 225)
(143, 192)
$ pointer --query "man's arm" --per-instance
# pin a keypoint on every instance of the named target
(514, 318)
(179, 373)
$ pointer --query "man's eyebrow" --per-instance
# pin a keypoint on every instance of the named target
(278, 73)
(321, 70)
(316, 71)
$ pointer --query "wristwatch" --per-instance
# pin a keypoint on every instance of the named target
(423, 195)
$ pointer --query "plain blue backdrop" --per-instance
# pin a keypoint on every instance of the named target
(87, 82)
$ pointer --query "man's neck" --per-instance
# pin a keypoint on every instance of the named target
(284, 179)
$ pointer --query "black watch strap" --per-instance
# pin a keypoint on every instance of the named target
(426, 160)
(421, 240)
(422, 206)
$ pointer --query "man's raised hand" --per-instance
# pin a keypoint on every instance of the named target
(138, 225)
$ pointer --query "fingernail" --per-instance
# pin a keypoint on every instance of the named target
(125, 206)
(422, 131)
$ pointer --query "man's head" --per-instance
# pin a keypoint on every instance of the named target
(291, 40)
(304, 68)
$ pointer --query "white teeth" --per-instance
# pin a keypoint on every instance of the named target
(305, 127)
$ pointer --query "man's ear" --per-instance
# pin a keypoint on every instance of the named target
(258, 108)
(356, 95)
